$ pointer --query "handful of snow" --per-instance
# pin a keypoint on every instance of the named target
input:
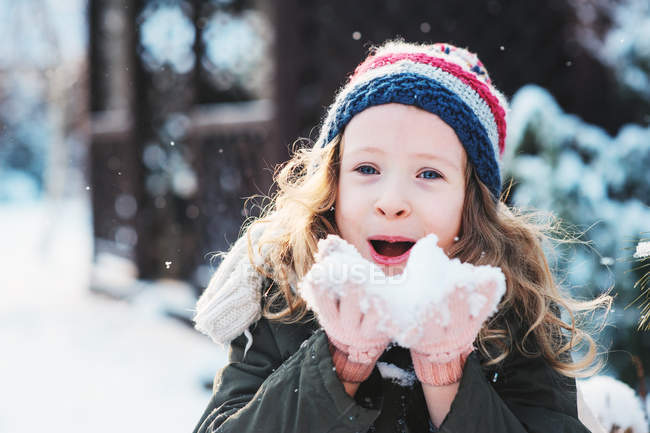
(407, 300)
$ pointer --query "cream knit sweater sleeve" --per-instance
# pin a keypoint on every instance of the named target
(231, 302)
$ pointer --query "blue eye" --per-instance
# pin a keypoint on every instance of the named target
(361, 167)
(434, 174)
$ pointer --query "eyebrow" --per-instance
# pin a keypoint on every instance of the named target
(415, 155)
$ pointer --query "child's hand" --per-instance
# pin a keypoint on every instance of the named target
(334, 290)
(436, 308)
(445, 336)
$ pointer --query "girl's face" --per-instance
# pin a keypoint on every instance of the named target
(402, 176)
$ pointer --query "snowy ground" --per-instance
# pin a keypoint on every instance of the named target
(73, 361)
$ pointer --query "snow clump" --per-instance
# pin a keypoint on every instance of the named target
(642, 250)
(614, 403)
(429, 278)
(398, 375)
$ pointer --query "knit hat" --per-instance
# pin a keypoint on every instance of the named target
(442, 79)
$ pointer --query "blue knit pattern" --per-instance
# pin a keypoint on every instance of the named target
(413, 89)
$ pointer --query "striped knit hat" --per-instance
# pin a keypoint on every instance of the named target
(445, 80)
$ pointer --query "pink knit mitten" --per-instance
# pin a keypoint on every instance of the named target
(334, 290)
(445, 338)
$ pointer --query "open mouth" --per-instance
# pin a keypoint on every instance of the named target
(391, 249)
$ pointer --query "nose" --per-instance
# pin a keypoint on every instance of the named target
(393, 204)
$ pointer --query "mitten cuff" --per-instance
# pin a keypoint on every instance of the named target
(438, 374)
(349, 371)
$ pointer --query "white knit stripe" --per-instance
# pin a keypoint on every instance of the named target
(459, 56)
(468, 95)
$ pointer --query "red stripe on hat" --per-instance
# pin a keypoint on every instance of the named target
(466, 77)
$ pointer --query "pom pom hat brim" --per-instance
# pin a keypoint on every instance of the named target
(447, 81)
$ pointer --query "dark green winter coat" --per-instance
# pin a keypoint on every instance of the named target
(286, 383)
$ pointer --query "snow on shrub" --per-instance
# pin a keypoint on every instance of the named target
(614, 404)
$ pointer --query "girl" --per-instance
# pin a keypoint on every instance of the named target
(410, 147)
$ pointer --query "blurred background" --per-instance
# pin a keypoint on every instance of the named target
(131, 133)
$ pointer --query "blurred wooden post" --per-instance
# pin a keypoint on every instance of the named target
(288, 57)
(113, 172)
